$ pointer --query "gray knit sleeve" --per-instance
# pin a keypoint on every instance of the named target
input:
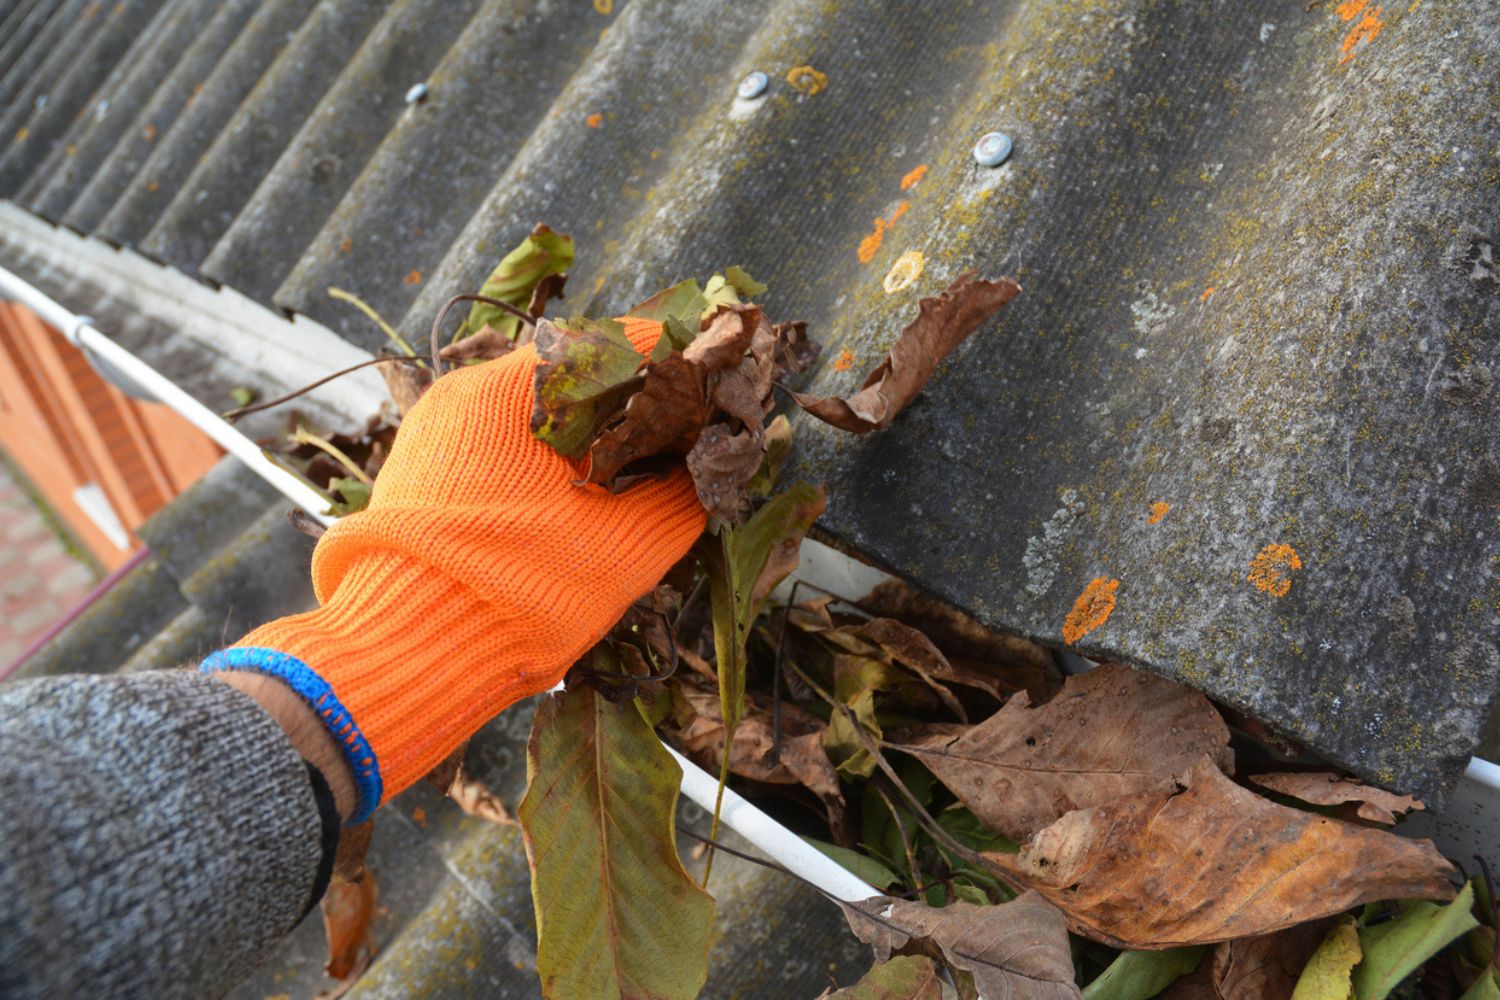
(158, 836)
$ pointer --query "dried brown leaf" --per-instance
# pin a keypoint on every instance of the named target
(1016, 949)
(485, 345)
(667, 414)
(793, 352)
(406, 383)
(1110, 732)
(1014, 663)
(348, 909)
(445, 773)
(349, 858)
(475, 798)
(1259, 968)
(1204, 860)
(943, 322)
(549, 288)
(725, 338)
(1324, 788)
(722, 463)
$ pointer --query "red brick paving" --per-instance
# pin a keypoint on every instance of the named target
(39, 580)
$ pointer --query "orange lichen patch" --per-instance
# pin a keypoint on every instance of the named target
(1207, 293)
(594, 120)
(413, 277)
(346, 244)
(21, 134)
(807, 79)
(1272, 568)
(844, 361)
(907, 269)
(419, 817)
(1368, 27)
(1092, 609)
(151, 186)
(148, 133)
(1349, 9)
(871, 243)
(910, 180)
(1158, 511)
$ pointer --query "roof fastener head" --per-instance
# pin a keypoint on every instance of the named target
(417, 93)
(992, 149)
(753, 85)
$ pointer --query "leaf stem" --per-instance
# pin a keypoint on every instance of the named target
(437, 323)
(304, 436)
(368, 310)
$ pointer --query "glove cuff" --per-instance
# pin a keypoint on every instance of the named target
(403, 664)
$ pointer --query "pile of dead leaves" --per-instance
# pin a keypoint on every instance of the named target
(1027, 833)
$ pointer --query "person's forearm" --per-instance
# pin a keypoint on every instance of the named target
(160, 836)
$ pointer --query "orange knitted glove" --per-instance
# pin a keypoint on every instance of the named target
(478, 574)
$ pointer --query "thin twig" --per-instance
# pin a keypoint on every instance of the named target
(234, 415)
(911, 855)
(368, 310)
(437, 324)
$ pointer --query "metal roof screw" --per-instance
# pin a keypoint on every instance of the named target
(753, 85)
(417, 94)
(992, 149)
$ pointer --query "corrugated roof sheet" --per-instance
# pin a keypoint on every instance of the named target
(1257, 242)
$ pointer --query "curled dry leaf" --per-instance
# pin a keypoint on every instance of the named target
(722, 464)
(406, 383)
(487, 344)
(1110, 732)
(1205, 860)
(943, 322)
(475, 798)
(905, 977)
(802, 760)
(1324, 788)
(1016, 949)
(445, 772)
(348, 906)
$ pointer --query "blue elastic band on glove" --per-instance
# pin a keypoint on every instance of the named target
(317, 692)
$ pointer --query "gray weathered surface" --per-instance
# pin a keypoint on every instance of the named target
(1257, 243)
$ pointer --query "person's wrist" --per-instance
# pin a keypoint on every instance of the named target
(304, 730)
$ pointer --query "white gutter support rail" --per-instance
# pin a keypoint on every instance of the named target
(783, 846)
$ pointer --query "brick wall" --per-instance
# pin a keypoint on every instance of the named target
(85, 445)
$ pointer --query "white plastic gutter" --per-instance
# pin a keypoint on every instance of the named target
(781, 844)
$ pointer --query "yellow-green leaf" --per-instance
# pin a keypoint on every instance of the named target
(1140, 975)
(1393, 950)
(617, 916)
(1486, 987)
(356, 495)
(905, 977)
(540, 254)
(1327, 974)
(731, 288)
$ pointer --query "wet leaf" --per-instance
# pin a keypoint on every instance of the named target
(1328, 973)
(667, 414)
(617, 916)
(516, 278)
(942, 323)
(585, 371)
(406, 383)
(485, 345)
(1395, 949)
(1110, 732)
(905, 977)
(355, 494)
(1015, 949)
(1324, 788)
(722, 463)
(1201, 860)
(1141, 975)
